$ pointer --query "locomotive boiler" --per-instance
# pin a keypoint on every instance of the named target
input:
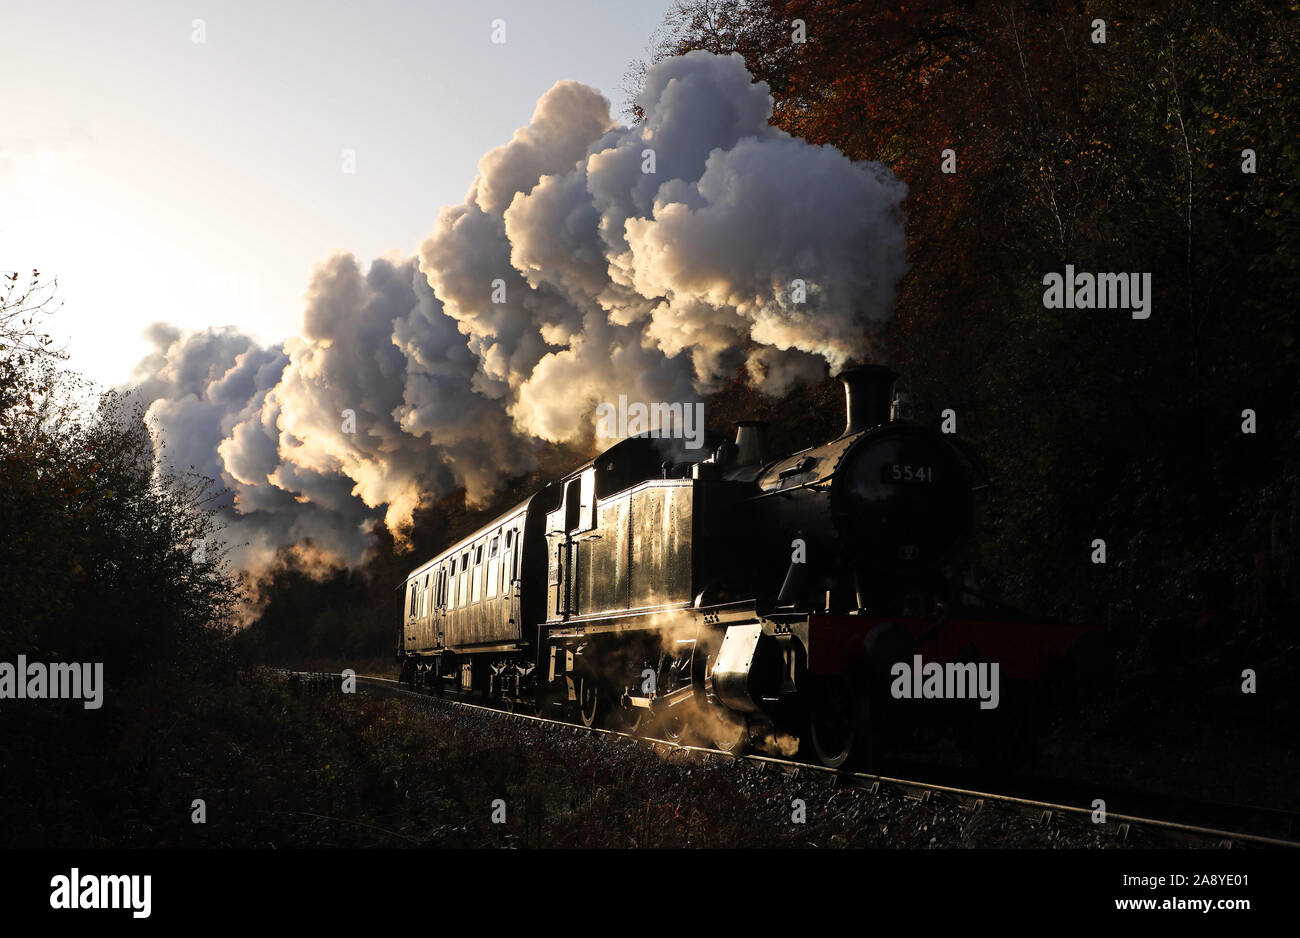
(732, 594)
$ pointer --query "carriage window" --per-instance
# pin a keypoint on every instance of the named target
(451, 583)
(493, 563)
(425, 610)
(509, 535)
(464, 579)
(411, 611)
(476, 584)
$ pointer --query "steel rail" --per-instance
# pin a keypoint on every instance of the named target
(1045, 811)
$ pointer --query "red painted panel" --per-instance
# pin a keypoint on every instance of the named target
(1024, 650)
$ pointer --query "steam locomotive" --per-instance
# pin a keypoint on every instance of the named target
(741, 597)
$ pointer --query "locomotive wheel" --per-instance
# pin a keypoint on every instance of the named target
(730, 731)
(625, 719)
(675, 726)
(833, 724)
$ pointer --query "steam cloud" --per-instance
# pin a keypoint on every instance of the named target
(570, 274)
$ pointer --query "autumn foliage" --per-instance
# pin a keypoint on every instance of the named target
(1122, 155)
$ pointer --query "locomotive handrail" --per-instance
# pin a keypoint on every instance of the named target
(793, 488)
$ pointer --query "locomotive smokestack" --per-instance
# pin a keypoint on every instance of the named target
(868, 394)
(751, 442)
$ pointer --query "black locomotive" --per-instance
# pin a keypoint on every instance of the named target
(738, 596)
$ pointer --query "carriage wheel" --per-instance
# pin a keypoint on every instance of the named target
(590, 704)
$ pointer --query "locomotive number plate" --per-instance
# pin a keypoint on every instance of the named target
(896, 472)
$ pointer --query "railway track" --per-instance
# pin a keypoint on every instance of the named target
(1154, 830)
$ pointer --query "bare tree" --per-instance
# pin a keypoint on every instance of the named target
(24, 303)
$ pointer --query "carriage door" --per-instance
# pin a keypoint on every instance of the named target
(413, 598)
(509, 576)
(567, 590)
(439, 604)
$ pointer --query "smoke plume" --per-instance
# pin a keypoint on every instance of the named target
(587, 260)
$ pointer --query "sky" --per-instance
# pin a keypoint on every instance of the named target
(195, 172)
